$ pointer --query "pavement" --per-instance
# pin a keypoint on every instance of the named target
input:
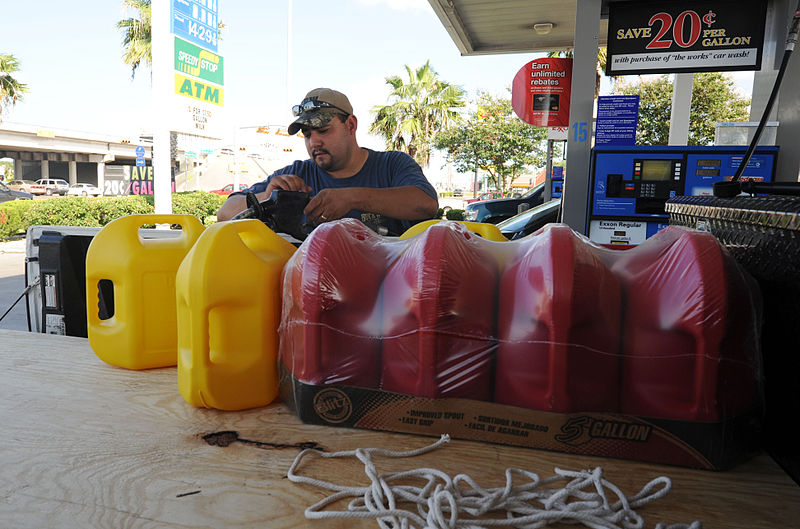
(12, 285)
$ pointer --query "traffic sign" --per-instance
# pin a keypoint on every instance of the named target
(140, 162)
(196, 21)
(140, 151)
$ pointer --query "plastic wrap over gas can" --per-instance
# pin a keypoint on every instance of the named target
(550, 322)
(438, 307)
(130, 290)
(558, 327)
(690, 329)
(228, 291)
(331, 308)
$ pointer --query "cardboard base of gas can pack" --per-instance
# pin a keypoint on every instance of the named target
(707, 445)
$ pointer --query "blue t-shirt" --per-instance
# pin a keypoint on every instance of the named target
(381, 170)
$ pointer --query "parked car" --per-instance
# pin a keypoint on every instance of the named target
(52, 186)
(84, 190)
(228, 189)
(489, 195)
(37, 189)
(457, 192)
(493, 211)
(530, 220)
(21, 185)
(6, 194)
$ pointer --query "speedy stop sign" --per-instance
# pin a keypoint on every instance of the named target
(541, 90)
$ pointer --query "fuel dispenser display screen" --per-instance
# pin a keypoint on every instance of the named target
(631, 185)
(656, 170)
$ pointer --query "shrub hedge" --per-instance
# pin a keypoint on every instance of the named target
(17, 215)
(454, 214)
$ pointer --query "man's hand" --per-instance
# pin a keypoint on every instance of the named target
(237, 203)
(289, 182)
(329, 204)
(404, 203)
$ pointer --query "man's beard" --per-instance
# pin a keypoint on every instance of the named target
(326, 165)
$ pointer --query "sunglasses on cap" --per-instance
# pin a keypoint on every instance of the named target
(310, 105)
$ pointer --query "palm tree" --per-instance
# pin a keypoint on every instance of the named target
(11, 90)
(136, 38)
(420, 107)
(602, 56)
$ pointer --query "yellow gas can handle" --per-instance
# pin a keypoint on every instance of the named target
(484, 229)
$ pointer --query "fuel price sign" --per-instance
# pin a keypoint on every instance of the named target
(196, 21)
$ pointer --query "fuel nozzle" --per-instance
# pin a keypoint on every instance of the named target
(732, 188)
(727, 189)
(282, 212)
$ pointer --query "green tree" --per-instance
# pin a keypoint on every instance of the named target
(11, 90)
(714, 100)
(496, 141)
(136, 37)
(420, 108)
(6, 170)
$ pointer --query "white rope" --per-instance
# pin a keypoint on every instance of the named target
(438, 501)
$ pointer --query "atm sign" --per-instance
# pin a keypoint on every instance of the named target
(197, 90)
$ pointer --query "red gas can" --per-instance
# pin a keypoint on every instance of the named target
(439, 300)
(558, 326)
(690, 351)
(331, 325)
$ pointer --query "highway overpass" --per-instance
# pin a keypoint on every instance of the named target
(75, 156)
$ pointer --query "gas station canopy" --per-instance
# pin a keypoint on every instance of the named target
(482, 27)
(479, 27)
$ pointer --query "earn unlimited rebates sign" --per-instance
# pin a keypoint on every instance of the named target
(665, 37)
(541, 90)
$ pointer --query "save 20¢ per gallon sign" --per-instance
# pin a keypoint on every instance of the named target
(664, 37)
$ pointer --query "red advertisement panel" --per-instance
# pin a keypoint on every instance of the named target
(541, 90)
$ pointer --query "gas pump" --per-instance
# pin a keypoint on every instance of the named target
(630, 185)
(557, 182)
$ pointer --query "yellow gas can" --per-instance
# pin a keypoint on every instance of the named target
(130, 289)
(229, 308)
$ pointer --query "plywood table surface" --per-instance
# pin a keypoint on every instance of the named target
(85, 444)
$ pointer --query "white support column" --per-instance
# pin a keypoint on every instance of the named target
(161, 71)
(779, 13)
(101, 176)
(45, 169)
(786, 110)
(575, 196)
(681, 106)
(18, 168)
(788, 114)
(73, 172)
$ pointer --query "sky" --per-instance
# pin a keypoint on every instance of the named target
(70, 55)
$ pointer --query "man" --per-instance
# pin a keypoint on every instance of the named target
(345, 180)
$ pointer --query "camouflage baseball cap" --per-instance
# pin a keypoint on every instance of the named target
(318, 108)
